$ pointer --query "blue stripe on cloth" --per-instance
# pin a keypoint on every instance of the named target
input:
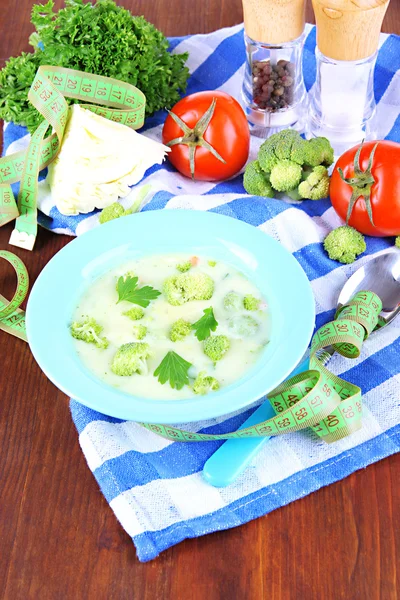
(377, 368)
(154, 121)
(309, 61)
(226, 59)
(324, 317)
(82, 416)
(388, 62)
(12, 133)
(175, 41)
(67, 221)
(231, 186)
(136, 468)
(394, 134)
(252, 209)
(263, 501)
(159, 200)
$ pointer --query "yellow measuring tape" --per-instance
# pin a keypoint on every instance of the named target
(12, 318)
(115, 100)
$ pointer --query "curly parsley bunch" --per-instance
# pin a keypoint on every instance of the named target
(104, 39)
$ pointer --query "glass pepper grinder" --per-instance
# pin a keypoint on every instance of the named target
(273, 91)
(342, 103)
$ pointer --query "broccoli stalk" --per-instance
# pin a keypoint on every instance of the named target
(182, 288)
(204, 384)
(344, 244)
(131, 358)
(89, 331)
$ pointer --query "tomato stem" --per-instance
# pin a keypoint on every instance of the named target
(194, 138)
(361, 183)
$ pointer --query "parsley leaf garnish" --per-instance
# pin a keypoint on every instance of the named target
(173, 368)
(127, 290)
(205, 325)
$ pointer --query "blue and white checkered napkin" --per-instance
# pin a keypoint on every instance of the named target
(154, 486)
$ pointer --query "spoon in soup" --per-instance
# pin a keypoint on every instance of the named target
(380, 275)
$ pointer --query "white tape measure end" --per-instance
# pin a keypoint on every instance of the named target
(22, 240)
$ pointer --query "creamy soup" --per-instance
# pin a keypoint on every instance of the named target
(101, 303)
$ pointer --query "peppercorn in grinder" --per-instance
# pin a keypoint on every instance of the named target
(273, 93)
(342, 102)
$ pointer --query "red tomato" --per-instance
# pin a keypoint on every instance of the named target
(384, 190)
(227, 132)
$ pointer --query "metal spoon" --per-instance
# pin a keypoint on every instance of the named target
(380, 275)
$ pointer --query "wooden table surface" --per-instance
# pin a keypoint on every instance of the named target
(58, 537)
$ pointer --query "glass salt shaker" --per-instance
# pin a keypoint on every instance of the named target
(342, 103)
(273, 92)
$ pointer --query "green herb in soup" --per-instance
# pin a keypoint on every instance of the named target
(171, 327)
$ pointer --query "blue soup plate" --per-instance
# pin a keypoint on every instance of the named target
(262, 259)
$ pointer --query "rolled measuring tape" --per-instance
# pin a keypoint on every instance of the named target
(317, 398)
(115, 100)
(12, 318)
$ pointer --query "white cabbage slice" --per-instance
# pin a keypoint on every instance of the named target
(98, 161)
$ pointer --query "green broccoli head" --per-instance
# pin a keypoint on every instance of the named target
(285, 175)
(89, 331)
(114, 211)
(140, 331)
(131, 358)
(344, 244)
(204, 384)
(185, 266)
(397, 241)
(255, 181)
(316, 184)
(243, 325)
(250, 302)
(285, 145)
(179, 330)
(185, 287)
(216, 346)
(233, 302)
(212, 263)
(318, 151)
(136, 313)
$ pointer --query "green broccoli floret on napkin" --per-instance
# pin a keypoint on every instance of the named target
(344, 244)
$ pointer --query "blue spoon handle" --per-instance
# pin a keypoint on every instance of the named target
(231, 459)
